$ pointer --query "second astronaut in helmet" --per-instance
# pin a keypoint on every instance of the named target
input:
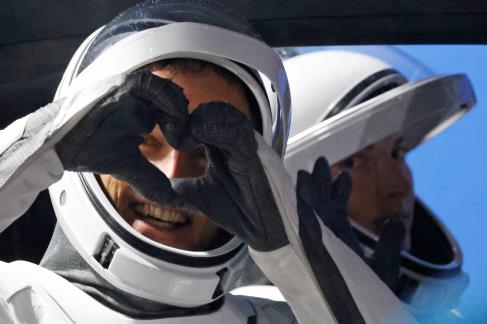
(364, 116)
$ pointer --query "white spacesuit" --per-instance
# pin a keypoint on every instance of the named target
(98, 269)
(364, 100)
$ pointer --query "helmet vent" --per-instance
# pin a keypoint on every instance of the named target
(105, 255)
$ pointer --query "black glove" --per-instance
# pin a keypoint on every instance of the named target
(107, 139)
(386, 259)
(234, 191)
(329, 201)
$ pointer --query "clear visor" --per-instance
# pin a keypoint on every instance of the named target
(208, 43)
(415, 110)
(399, 60)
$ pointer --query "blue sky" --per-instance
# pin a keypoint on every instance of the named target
(450, 171)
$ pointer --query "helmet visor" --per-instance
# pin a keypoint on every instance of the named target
(417, 111)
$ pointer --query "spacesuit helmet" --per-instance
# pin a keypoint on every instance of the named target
(148, 32)
(346, 100)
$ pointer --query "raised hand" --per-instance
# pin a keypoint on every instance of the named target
(234, 191)
(328, 200)
(107, 139)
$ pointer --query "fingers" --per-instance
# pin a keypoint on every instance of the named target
(333, 202)
(392, 235)
(341, 190)
(163, 101)
(219, 202)
(336, 194)
(387, 256)
(207, 196)
(306, 189)
(121, 158)
(162, 93)
(225, 127)
(147, 181)
(309, 191)
(131, 118)
(191, 191)
(322, 178)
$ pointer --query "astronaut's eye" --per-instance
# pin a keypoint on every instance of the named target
(351, 162)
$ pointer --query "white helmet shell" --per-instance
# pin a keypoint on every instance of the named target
(329, 82)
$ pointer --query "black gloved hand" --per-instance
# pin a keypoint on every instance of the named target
(234, 191)
(107, 139)
(329, 201)
(386, 259)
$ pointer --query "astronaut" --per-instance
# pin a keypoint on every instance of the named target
(365, 116)
(162, 154)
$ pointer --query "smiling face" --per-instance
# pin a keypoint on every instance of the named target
(382, 185)
(176, 228)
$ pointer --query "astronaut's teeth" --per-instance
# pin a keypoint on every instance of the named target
(163, 214)
(157, 212)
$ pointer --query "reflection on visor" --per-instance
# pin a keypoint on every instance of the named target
(412, 110)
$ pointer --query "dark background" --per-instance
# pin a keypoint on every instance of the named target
(37, 38)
